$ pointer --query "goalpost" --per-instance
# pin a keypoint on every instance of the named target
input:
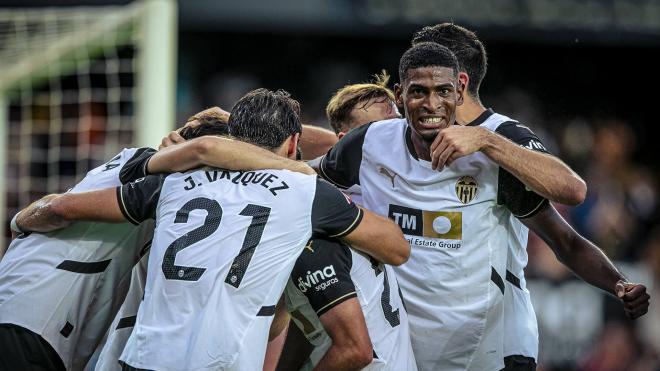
(78, 84)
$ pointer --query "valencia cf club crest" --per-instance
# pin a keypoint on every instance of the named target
(466, 189)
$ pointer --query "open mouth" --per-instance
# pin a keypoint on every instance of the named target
(431, 122)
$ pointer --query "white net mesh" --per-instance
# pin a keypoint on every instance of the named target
(69, 78)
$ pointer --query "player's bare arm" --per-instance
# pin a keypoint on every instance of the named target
(381, 238)
(280, 320)
(57, 211)
(587, 261)
(351, 346)
(316, 141)
(545, 174)
(220, 152)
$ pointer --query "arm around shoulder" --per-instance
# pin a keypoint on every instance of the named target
(542, 172)
(57, 211)
(381, 238)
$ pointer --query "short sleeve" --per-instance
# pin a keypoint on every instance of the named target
(138, 199)
(333, 213)
(522, 135)
(136, 166)
(323, 274)
(341, 165)
(512, 193)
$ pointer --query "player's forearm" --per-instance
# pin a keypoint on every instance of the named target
(542, 173)
(41, 217)
(589, 263)
(581, 256)
(343, 358)
(380, 238)
(220, 152)
(316, 141)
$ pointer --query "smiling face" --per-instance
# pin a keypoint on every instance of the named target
(429, 96)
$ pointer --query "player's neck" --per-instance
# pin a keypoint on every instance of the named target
(422, 147)
(469, 110)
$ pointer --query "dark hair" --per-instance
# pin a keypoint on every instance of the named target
(341, 104)
(207, 127)
(465, 44)
(426, 55)
(265, 118)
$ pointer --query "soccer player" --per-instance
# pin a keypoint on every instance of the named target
(358, 104)
(340, 299)
(204, 123)
(534, 168)
(60, 291)
(224, 244)
(452, 285)
(360, 300)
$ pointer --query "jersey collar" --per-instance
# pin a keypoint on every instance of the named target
(482, 118)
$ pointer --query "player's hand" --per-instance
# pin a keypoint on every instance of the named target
(454, 142)
(634, 298)
(171, 139)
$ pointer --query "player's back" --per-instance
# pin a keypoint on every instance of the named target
(326, 274)
(223, 248)
(67, 285)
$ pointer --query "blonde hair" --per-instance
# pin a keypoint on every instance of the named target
(345, 99)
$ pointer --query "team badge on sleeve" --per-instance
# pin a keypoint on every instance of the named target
(466, 189)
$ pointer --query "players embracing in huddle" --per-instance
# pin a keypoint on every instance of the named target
(252, 228)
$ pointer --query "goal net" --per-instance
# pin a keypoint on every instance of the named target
(78, 84)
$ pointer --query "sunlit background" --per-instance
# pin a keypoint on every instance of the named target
(581, 73)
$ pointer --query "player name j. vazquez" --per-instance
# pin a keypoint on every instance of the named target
(245, 178)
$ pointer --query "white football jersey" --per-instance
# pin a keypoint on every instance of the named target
(328, 273)
(67, 285)
(122, 325)
(455, 221)
(224, 246)
(519, 318)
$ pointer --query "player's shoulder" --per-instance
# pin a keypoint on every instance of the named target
(496, 121)
(389, 124)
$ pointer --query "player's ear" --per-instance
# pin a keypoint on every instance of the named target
(341, 134)
(463, 80)
(398, 97)
(293, 146)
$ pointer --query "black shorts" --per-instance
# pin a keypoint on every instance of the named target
(22, 349)
(519, 363)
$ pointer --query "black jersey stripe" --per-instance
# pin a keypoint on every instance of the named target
(126, 322)
(497, 279)
(513, 279)
(84, 267)
(266, 311)
(67, 329)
